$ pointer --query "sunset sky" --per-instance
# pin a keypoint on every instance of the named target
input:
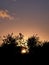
(26, 16)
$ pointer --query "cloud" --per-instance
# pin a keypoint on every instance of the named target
(4, 14)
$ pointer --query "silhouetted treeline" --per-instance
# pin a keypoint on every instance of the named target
(10, 50)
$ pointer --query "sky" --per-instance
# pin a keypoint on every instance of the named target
(26, 16)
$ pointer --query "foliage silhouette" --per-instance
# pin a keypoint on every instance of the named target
(9, 40)
(32, 42)
(10, 50)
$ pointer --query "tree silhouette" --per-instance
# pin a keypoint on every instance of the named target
(12, 46)
(45, 44)
(9, 40)
(15, 43)
(32, 41)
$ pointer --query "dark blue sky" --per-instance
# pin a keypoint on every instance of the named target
(26, 16)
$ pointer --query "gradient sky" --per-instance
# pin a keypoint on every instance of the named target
(26, 16)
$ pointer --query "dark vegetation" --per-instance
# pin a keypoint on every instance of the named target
(10, 52)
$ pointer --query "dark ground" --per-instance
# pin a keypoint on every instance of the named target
(11, 56)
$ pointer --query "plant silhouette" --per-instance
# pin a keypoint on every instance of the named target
(32, 42)
(10, 51)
